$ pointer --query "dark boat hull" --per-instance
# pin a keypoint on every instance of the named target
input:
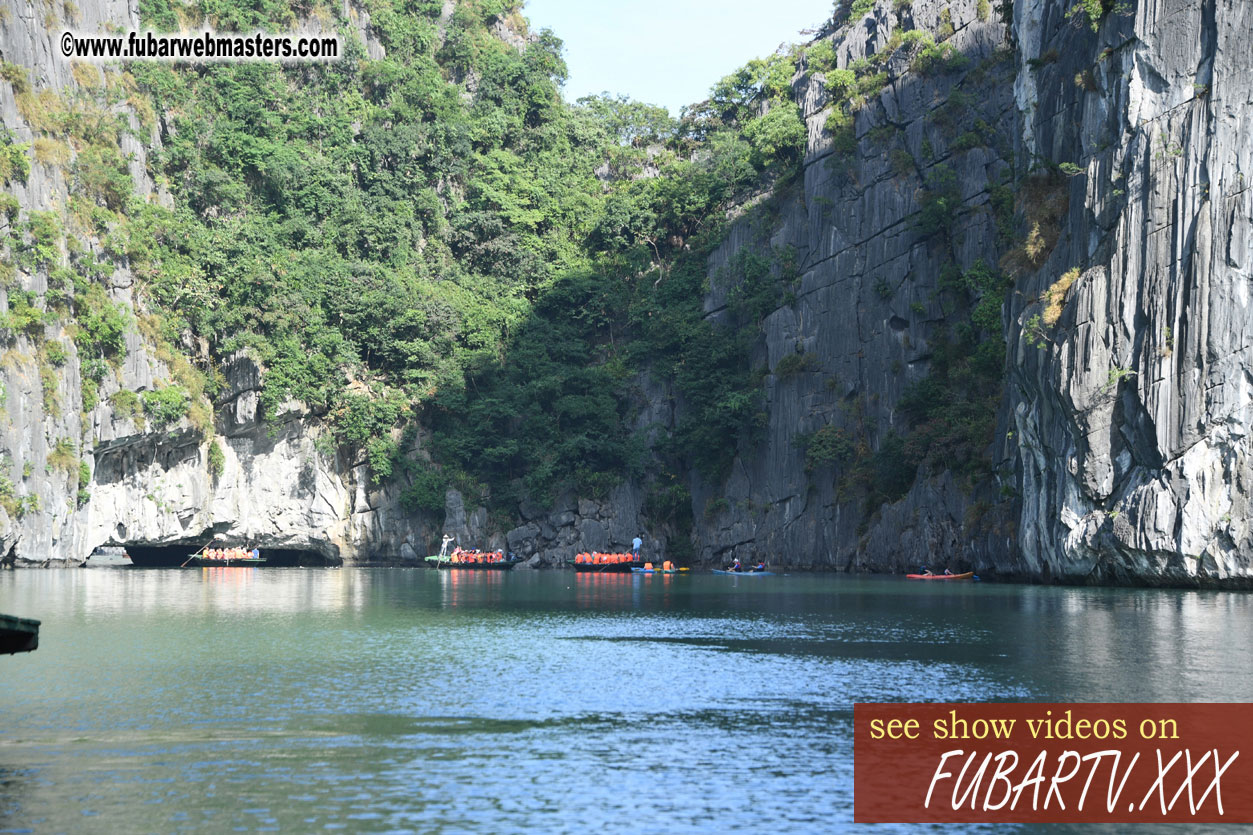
(474, 566)
(18, 634)
(445, 565)
(606, 568)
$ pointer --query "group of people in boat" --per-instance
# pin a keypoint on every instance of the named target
(231, 554)
(926, 572)
(597, 558)
(737, 566)
(459, 556)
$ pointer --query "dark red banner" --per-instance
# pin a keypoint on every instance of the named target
(1111, 763)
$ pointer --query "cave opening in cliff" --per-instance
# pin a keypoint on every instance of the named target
(158, 556)
(295, 556)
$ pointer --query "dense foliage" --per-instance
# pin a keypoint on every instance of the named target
(435, 237)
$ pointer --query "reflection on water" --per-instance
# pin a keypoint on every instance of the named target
(384, 700)
(608, 592)
(471, 588)
(91, 593)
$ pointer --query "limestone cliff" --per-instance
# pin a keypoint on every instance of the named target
(869, 305)
(1132, 415)
(86, 461)
(1122, 453)
(1094, 167)
(83, 470)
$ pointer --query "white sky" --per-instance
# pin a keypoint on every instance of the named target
(667, 52)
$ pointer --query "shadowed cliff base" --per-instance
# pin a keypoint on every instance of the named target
(164, 556)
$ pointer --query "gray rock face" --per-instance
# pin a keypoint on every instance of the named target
(607, 525)
(276, 489)
(152, 485)
(869, 303)
(1133, 418)
(1122, 451)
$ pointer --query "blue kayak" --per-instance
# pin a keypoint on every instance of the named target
(745, 573)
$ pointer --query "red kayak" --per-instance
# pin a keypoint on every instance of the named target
(968, 575)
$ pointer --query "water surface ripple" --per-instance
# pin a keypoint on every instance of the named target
(395, 700)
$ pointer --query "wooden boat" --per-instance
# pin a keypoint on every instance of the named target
(471, 563)
(597, 563)
(967, 576)
(745, 573)
(18, 634)
(200, 560)
(607, 568)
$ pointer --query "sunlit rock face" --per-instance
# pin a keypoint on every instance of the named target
(1132, 420)
(1121, 453)
(270, 485)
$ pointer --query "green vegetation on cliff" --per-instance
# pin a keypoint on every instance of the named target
(436, 238)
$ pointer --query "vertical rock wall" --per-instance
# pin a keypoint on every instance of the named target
(1133, 415)
(40, 518)
(1122, 453)
(869, 305)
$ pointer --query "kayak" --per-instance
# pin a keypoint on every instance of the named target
(656, 570)
(967, 576)
(745, 573)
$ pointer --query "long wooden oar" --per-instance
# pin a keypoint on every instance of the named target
(193, 556)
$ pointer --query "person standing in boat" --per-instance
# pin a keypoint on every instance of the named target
(636, 545)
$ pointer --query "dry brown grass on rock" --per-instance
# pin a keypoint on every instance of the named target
(1045, 201)
(1055, 297)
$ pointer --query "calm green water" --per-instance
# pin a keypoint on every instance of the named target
(386, 700)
